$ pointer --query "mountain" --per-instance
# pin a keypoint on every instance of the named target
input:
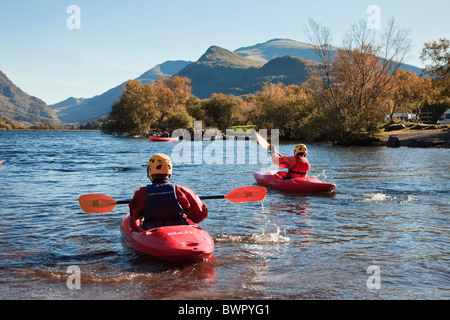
(223, 71)
(69, 102)
(285, 69)
(21, 107)
(73, 110)
(216, 71)
(264, 52)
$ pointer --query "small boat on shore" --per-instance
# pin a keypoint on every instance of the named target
(164, 139)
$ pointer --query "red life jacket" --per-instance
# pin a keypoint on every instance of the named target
(300, 169)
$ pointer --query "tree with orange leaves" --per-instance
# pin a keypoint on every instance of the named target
(409, 93)
(357, 79)
(167, 95)
(142, 107)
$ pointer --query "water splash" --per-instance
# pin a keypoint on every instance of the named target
(376, 197)
(268, 235)
(381, 197)
(321, 176)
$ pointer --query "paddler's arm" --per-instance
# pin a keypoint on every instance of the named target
(279, 160)
(275, 155)
(194, 207)
(137, 204)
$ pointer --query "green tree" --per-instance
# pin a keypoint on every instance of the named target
(194, 107)
(221, 110)
(179, 120)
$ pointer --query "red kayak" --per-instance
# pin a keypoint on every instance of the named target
(163, 139)
(276, 179)
(171, 243)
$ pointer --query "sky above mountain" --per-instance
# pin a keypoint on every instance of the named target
(53, 51)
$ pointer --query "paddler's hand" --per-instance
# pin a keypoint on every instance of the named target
(273, 149)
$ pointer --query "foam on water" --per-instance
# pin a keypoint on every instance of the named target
(262, 237)
(381, 197)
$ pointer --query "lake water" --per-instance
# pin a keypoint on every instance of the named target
(383, 233)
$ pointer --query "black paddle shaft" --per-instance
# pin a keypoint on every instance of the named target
(203, 198)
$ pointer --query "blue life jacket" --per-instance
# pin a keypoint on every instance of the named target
(162, 207)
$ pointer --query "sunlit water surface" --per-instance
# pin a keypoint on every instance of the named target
(390, 210)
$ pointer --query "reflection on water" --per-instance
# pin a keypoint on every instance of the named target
(390, 209)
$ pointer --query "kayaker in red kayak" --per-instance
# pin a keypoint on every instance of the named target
(163, 203)
(297, 164)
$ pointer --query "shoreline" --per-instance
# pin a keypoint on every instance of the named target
(435, 138)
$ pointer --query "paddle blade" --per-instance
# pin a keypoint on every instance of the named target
(262, 141)
(96, 203)
(247, 194)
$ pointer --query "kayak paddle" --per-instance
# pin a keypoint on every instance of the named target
(263, 142)
(100, 203)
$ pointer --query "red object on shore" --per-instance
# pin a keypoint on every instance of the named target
(162, 139)
(171, 243)
(276, 179)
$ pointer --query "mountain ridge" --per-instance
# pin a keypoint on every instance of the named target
(19, 106)
(240, 72)
(91, 109)
(215, 71)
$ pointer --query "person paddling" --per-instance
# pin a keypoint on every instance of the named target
(297, 165)
(163, 203)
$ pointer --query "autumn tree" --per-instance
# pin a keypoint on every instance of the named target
(132, 113)
(282, 107)
(9, 124)
(409, 93)
(142, 107)
(168, 95)
(248, 110)
(357, 78)
(436, 56)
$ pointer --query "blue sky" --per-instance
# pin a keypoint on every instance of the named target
(120, 40)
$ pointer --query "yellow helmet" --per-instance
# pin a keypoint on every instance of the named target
(300, 148)
(159, 164)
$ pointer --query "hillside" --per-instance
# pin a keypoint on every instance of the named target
(80, 110)
(216, 71)
(21, 107)
(223, 71)
(286, 69)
